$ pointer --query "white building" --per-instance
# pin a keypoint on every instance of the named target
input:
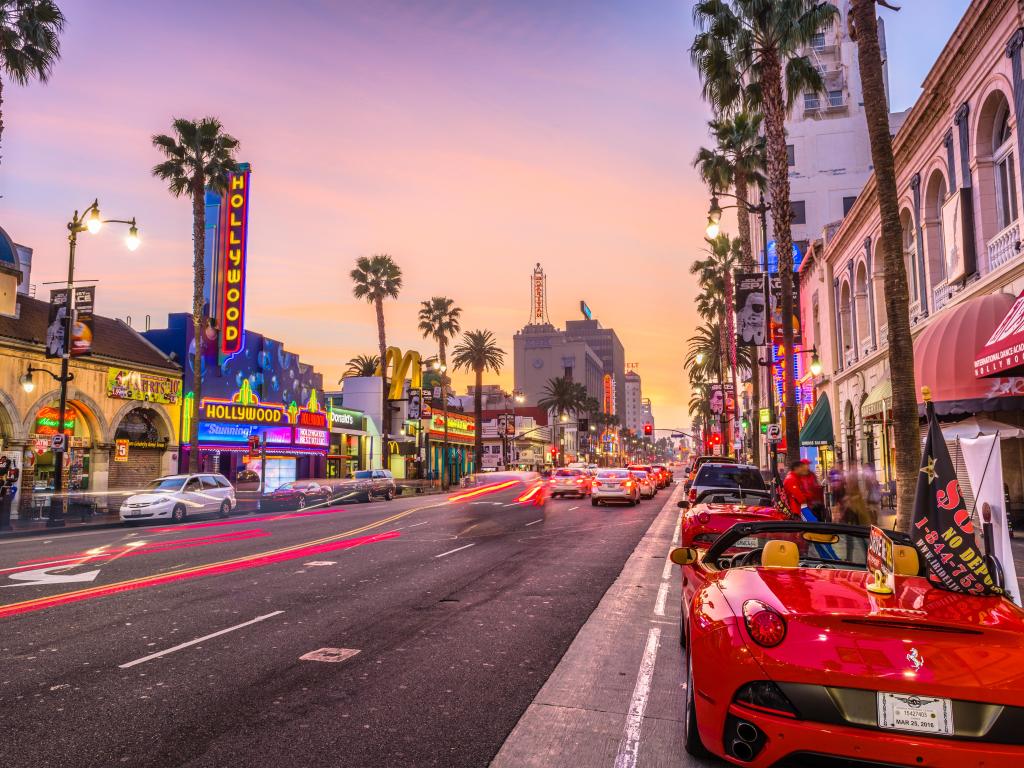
(827, 138)
(634, 417)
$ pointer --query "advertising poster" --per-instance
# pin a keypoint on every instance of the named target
(81, 326)
(751, 310)
(957, 245)
(120, 450)
(775, 298)
(722, 399)
(880, 562)
(943, 532)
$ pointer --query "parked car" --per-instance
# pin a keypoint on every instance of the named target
(299, 494)
(716, 510)
(177, 497)
(615, 485)
(726, 475)
(699, 462)
(790, 655)
(569, 482)
(646, 483)
(369, 484)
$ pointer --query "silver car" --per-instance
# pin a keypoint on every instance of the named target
(615, 485)
(569, 482)
(645, 482)
(176, 497)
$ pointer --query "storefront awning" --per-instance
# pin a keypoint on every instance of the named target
(944, 357)
(976, 426)
(818, 427)
(1003, 353)
(878, 401)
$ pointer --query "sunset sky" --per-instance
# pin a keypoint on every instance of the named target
(470, 139)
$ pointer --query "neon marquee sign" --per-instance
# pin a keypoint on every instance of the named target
(234, 243)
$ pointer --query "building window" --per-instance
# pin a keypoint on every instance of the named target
(811, 101)
(790, 155)
(818, 41)
(798, 211)
(1002, 154)
(848, 204)
(835, 98)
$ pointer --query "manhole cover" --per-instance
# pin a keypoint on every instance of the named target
(330, 655)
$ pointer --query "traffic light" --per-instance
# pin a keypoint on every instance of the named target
(716, 438)
(648, 429)
(554, 452)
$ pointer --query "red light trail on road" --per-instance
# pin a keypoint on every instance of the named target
(227, 566)
(484, 491)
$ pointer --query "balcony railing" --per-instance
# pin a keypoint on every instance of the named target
(941, 294)
(1004, 246)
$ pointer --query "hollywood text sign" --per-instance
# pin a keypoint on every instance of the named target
(234, 242)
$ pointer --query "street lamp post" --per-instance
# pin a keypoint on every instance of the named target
(90, 221)
(516, 397)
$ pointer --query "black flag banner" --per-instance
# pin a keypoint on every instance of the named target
(942, 531)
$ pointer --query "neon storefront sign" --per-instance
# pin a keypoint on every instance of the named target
(234, 244)
(218, 432)
(311, 437)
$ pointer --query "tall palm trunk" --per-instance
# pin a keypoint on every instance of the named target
(198, 337)
(723, 364)
(445, 463)
(1, 111)
(778, 183)
(478, 410)
(743, 224)
(385, 419)
(897, 297)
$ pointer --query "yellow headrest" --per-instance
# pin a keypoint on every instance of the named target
(905, 560)
(780, 554)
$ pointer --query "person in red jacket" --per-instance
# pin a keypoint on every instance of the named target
(803, 489)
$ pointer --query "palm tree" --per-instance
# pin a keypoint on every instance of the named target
(478, 352)
(736, 162)
(374, 279)
(29, 42)
(200, 155)
(897, 298)
(362, 365)
(563, 396)
(748, 54)
(439, 320)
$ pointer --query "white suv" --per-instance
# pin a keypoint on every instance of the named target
(178, 496)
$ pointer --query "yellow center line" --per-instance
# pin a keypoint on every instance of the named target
(243, 558)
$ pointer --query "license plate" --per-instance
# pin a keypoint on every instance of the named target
(747, 542)
(919, 714)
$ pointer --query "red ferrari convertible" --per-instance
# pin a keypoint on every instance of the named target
(716, 510)
(789, 656)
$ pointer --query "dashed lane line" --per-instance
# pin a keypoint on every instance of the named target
(198, 640)
(453, 551)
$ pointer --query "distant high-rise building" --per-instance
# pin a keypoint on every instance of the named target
(646, 414)
(633, 405)
(606, 344)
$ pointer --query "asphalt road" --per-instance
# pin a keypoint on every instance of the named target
(458, 613)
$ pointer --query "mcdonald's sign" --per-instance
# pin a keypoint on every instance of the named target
(399, 367)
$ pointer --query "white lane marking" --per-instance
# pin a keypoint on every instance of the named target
(659, 603)
(536, 521)
(666, 572)
(316, 563)
(39, 576)
(675, 536)
(453, 551)
(329, 655)
(572, 508)
(415, 524)
(629, 746)
(158, 654)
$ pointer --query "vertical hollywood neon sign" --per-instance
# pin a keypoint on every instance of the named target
(235, 225)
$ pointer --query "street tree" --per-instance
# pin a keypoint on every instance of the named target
(749, 55)
(362, 365)
(478, 352)
(864, 29)
(562, 397)
(29, 42)
(374, 279)
(199, 156)
(439, 320)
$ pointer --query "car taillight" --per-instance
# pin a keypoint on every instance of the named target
(693, 495)
(580, 481)
(764, 623)
(703, 518)
(628, 484)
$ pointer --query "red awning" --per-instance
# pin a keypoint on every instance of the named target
(944, 351)
(1003, 353)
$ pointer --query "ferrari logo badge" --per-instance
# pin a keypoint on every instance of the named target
(915, 658)
(929, 470)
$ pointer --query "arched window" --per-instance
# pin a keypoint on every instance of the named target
(846, 320)
(1002, 157)
(934, 199)
(910, 253)
(863, 299)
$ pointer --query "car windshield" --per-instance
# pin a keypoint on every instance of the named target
(748, 496)
(615, 474)
(567, 473)
(817, 545)
(295, 486)
(364, 474)
(166, 484)
(725, 476)
(640, 474)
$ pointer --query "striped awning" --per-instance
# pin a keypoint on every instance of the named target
(878, 400)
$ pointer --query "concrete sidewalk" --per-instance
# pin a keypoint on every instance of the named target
(617, 698)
